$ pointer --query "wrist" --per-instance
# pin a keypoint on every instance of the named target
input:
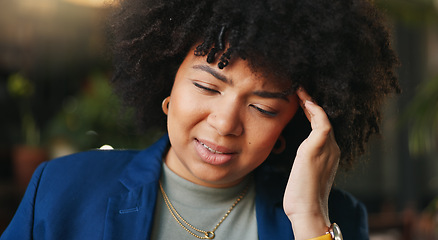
(308, 226)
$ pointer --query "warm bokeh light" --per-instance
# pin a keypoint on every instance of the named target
(106, 147)
(91, 3)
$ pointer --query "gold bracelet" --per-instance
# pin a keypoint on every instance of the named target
(323, 237)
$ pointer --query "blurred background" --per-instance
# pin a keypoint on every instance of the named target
(55, 100)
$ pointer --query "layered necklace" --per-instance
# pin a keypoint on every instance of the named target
(185, 225)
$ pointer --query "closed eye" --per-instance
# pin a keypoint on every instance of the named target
(265, 112)
(205, 88)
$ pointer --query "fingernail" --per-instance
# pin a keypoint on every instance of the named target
(309, 102)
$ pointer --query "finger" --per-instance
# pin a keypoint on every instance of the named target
(314, 113)
(303, 97)
(318, 117)
(319, 120)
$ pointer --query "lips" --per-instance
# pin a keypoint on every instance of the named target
(212, 153)
(210, 149)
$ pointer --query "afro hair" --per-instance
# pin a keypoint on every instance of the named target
(338, 51)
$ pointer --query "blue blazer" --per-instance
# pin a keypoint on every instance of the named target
(111, 195)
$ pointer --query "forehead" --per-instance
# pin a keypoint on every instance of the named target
(237, 69)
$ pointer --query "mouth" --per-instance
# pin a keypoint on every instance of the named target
(212, 153)
(210, 149)
(213, 148)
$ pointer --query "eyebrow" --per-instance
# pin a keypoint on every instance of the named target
(266, 94)
(213, 72)
(223, 78)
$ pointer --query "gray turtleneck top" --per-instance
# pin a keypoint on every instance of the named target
(204, 207)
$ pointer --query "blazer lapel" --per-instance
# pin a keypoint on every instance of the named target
(130, 215)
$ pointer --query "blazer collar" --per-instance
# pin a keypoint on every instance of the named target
(144, 166)
(130, 215)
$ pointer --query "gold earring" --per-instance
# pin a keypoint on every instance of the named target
(280, 145)
(165, 105)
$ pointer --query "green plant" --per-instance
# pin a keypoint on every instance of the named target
(22, 89)
(422, 114)
(95, 117)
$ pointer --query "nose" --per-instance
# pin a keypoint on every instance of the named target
(226, 119)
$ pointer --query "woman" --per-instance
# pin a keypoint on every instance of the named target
(263, 100)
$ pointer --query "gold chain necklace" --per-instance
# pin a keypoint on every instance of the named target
(207, 234)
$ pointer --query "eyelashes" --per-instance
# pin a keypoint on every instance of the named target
(213, 91)
(205, 88)
(265, 112)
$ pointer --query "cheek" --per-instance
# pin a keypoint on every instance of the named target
(265, 136)
(263, 140)
(185, 110)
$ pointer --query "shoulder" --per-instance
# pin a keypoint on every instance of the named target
(104, 165)
(90, 173)
(102, 170)
(91, 162)
(349, 213)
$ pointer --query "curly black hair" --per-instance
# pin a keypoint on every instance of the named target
(337, 50)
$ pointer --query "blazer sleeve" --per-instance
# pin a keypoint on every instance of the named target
(350, 214)
(363, 232)
(21, 226)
